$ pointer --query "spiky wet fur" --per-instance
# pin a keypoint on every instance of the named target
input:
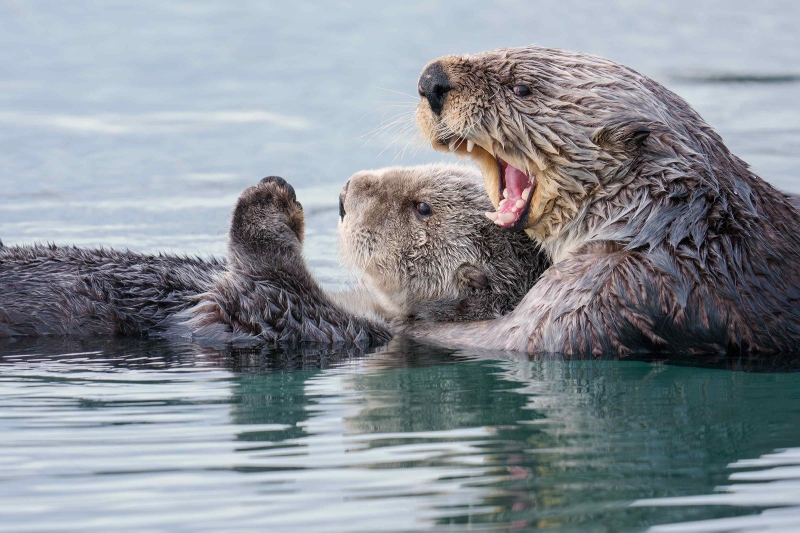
(662, 240)
(263, 291)
(451, 266)
(60, 290)
(267, 292)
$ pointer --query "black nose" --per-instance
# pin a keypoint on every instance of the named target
(434, 85)
(341, 200)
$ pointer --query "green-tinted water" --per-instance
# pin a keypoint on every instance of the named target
(140, 436)
(138, 123)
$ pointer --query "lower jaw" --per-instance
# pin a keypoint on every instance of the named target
(492, 169)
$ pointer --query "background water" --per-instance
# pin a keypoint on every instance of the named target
(136, 124)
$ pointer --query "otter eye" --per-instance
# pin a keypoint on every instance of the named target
(423, 209)
(521, 90)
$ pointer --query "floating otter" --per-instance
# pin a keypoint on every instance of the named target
(661, 239)
(263, 291)
(424, 250)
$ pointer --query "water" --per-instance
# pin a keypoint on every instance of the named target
(136, 435)
(136, 124)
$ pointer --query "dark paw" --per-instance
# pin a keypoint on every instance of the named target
(278, 193)
(280, 182)
(267, 218)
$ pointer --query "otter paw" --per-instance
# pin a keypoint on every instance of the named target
(277, 197)
(280, 192)
(280, 182)
(267, 218)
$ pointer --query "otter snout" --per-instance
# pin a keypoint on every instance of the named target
(342, 196)
(434, 86)
(361, 194)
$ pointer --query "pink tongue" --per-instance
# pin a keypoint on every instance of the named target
(515, 182)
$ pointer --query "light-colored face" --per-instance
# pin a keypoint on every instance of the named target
(532, 119)
(409, 229)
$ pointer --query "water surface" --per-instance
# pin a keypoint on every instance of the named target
(136, 124)
(138, 435)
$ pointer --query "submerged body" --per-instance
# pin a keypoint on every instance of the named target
(263, 291)
(661, 239)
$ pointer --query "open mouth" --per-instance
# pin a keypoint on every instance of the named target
(515, 188)
(515, 192)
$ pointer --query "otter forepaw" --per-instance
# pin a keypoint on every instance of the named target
(280, 182)
(277, 201)
(267, 218)
(280, 192)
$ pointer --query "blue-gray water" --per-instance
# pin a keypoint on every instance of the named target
(136, 124)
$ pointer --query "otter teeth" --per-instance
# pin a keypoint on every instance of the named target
(458, 141)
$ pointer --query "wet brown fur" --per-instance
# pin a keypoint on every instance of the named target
(453, 265)
(263, 292)
(662, 240)
(267, 292)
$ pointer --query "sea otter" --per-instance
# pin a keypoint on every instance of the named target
(423, 249)
(263, 291)
(661, 239)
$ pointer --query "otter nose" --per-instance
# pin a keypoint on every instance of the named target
(434, 86)
(341, 200)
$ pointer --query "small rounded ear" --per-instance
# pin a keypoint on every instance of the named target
(625, 134)
(472, 276)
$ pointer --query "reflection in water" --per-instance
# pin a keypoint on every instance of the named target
(573, 440)
(146, 434)
(776, 482)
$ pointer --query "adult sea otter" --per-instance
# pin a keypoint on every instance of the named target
(661, 239)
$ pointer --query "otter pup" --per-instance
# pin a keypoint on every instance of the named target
(661, 239)
(263, 291)
(424, 249)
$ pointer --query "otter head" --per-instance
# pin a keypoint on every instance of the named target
(267, 226)
(419, 237)
(548, 128)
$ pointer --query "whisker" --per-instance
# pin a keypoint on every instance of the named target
(398, 92)
(399, 102)
(398, 125)
(404, 133)
(415, 141)
(395, 119)
(380, 109)
(394, 142)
